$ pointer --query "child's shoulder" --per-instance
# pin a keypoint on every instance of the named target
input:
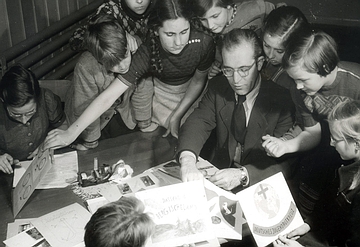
(198, 36)
(349, 67)
(250, 4)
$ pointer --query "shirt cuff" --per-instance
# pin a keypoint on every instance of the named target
(186, 153)
(244, 179)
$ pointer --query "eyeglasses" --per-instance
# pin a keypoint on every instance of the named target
(16, 115)
(243, 71)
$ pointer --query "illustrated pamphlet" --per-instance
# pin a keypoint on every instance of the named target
(40, 165)
(225, 212)
(179, 212)
(269, 209)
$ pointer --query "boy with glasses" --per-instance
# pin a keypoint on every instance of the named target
(242, 108)
(27, 113)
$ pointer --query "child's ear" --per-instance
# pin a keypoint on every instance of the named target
(260, 62)
(357, 146)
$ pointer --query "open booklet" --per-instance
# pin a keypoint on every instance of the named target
(269, 209)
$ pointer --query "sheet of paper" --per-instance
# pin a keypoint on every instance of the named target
(269, 209)
(225, 211)
(179, 212)
(64, 227)
(61, 174)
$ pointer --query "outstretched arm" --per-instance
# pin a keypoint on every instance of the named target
(194, 90)
(306, 140)
(59, 138)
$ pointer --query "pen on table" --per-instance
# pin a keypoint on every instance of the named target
(96, 167)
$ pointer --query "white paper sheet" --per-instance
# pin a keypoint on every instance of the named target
(64, 227)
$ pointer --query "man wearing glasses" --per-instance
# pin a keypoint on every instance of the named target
(242, 108)
(27, 113)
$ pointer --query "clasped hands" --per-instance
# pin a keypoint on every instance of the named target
(274, 147)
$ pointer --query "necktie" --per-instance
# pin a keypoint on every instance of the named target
(239, 120)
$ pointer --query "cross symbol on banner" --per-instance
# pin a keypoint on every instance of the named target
(262, 191)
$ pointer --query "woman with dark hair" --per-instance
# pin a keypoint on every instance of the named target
(27, 113)
(176, 56)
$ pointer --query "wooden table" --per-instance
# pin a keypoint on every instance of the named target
(140, 150)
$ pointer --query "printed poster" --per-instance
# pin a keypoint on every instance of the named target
(269, 209)
(180, 214)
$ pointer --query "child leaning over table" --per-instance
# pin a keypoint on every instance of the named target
(107, 54)
(27, 113)
(337, 218)
(121, 223)
(322, 81)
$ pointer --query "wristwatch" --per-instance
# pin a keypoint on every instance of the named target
(244, 178)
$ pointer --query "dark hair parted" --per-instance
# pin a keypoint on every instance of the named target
(106, 40)
(285, 21)
(313, 50)
(164, 10)
(200, 7)
(19, 86)
(237, 36)
(121, 223)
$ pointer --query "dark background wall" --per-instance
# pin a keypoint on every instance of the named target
(339, 18)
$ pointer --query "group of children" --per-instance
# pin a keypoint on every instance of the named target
(147, 63)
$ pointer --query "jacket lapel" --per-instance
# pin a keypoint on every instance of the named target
(226, 111)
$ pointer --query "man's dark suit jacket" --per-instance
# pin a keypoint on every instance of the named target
(273, 114)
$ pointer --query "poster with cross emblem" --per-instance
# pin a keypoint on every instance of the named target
(269, 209)
(40, 165)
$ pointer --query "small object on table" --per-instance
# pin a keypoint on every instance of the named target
(116, 172)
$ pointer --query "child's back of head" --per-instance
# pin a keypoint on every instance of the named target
(106, 40)
(313, 50)
(19, 86)
(121, 223)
